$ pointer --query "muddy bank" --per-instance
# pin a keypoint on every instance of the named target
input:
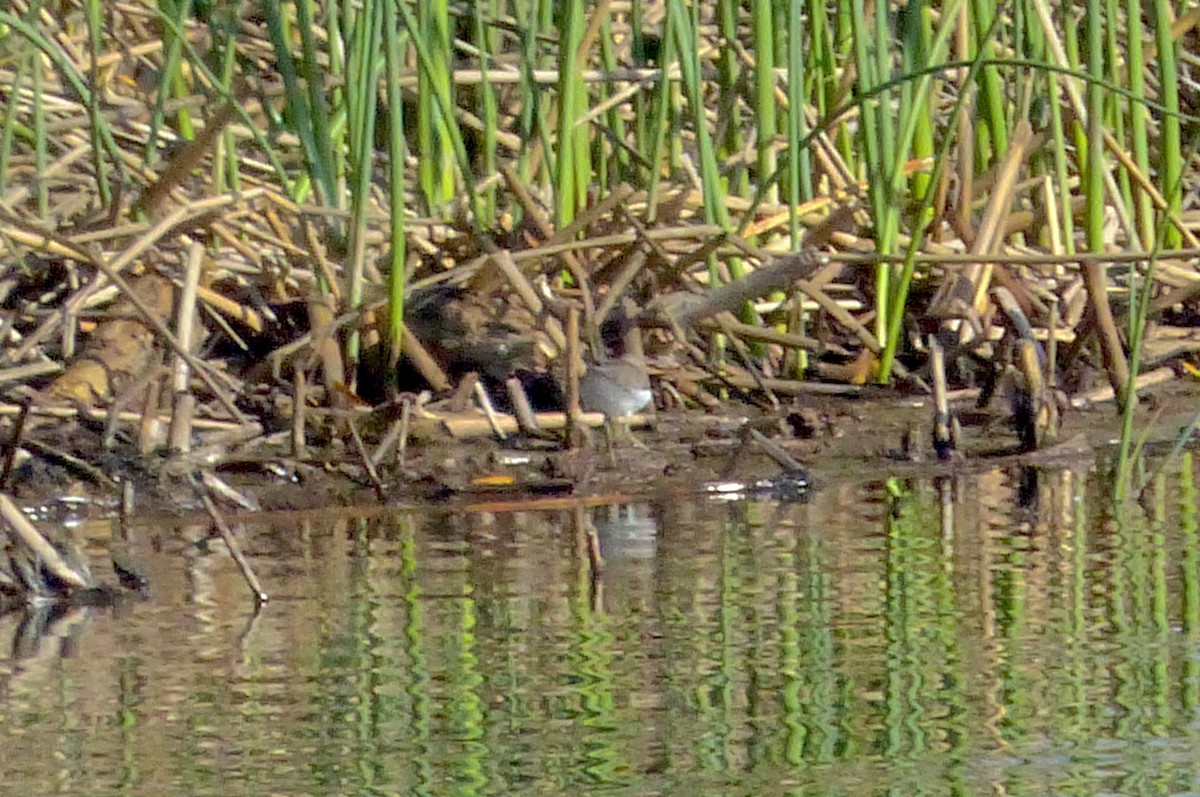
(836, 439)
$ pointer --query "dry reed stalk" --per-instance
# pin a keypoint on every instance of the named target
(365, 459)
(470, 426)
(423, 361)
(299, 414)
(530, 299)
(522, 410)
(542, 223)
(184, 401)
(150, 426)
(1101, 394)
(572, 365)
(634, 264)
(943, 439)
(13, 445)
(485, 404)
(723, 322)
(43, 551)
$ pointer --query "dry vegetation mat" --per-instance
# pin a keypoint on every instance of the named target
(339, 234)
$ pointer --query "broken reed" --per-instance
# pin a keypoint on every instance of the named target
(748, 103)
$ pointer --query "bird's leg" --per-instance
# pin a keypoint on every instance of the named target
(622, 428)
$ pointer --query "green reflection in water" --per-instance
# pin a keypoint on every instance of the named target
(412, 667)
(1188, 574)
(592, 658)
(1003, 632)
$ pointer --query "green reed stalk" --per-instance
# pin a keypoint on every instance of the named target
(641, 100)
(1170, 144)
(531, 120)
(317, 104)
(364, 64)
(820, 58)
(663, 112)
(799, 174)
(41, 158)
(886, 172)
(226, 167)
(573, 170)
(715, 211)
(1140, 299)
(434, 105)
(842, 48)
(95, 45)
(873, 67)
(295, 189)
(730, 94)
(916, 99)
(1070, 37)
(869, 110)
(682, 28)
(938, 51)
(1094, 172)
(762, 31)
(335, 15)
(1029, 46)
(1114, 55)
(618, 167)
(8, 121)
(1062, 163)
(397, 151)
(1114, 120)
(27, 62)
(102, 135)
(69, 76)
(992, 136)
(800, 185)
(916, 33)
(891, 152)
(445, 106)
(1143, 205)
(603, 162)
(487, 42)
(171, 82)
(298, 110)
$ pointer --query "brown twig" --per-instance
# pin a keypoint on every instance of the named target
(363, 457)
(235, 549)
(521, 407)
(42, 550)
(14, 443)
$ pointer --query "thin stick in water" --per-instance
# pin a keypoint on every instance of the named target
(235, 550)
(943, 440)
(42, 550)
(365, 458)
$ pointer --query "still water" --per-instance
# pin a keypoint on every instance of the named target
(1003, 632)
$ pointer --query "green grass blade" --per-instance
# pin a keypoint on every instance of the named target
(397, 151)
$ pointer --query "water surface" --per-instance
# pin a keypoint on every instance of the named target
(1002, 632)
